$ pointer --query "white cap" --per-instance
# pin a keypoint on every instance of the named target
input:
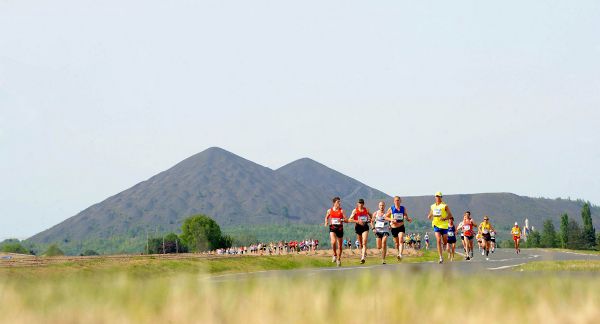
(516, 224)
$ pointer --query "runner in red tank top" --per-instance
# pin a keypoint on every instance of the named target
(467, 226)
(361, 217)
(335, 219)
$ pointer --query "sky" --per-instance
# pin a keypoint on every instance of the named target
(409, 97)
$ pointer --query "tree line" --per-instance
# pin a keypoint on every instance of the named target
(570, 234)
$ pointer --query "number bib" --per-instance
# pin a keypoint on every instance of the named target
(485, 231)
(437, 212)
(363, 218)
(451, 234)
(336, 221)
(379, 224)
(399, 217)
(466, 228)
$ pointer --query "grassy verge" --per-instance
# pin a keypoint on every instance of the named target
(307, 299)
(578, 251)
(150, 266)
(571, 265)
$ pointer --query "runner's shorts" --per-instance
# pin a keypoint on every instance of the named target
(487, 237)
(516, 238)
(359, 229)
(451, 239)
(337, 229)
(398, 230)
(382, 234)
(443, 231)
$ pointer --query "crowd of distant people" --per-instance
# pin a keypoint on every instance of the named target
(272, 248)
(411, 241)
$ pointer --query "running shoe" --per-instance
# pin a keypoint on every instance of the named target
(399, 257)
(339, 263)
(441, 261)
(333, 259)
(383, 262)
(362, 261)
(482, 252)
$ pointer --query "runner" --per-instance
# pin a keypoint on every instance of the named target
(479, 241)
(467, 226)
(493, 244)
(398, 214)
(451, 239)
(381, 227)
(418, 237)
(516, 233)
(439, 214)
(426, 237)
(360, 216)
(485, 228)
(335, 218)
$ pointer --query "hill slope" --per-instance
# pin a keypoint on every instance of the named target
(331, 183)
(218, 183)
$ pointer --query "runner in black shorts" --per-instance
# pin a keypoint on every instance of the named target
(381, 226)
(361, 217)
(398, 214)
(335, 219)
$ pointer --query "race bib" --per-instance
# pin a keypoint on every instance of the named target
(379, 224)
(451, 234)
(336, 221)
(485, 231)
(467, 228)
(399, 217)
(363, 218)
(437, 212)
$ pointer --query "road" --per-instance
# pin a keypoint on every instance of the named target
(502, 260)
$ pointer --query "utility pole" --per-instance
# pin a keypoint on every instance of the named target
(147, 243)
(176, 246)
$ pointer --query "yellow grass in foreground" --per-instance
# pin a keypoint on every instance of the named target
(337, 298)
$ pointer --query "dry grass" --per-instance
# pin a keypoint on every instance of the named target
(341, 298)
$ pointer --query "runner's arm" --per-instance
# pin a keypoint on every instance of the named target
(430, 216)
(326, 217)
(407, 217)
(449, 213)
(388, 214)
(351, 219)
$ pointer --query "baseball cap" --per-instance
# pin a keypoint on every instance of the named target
(516, 224)
(438, 194)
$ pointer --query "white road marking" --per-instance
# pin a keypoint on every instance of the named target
(506, 267)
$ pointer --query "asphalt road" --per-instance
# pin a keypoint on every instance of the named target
(503, 260)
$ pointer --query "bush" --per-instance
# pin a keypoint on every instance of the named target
(89, 253)
(202, 233)
(14, 247)
(53, 250)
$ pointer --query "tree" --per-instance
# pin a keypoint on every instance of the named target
(53, 250)
(588, 234)
(548, 237)
(201, 233)
(564, 231)
(89, 253)
(533, 240)
(574, 241)
(14, 247)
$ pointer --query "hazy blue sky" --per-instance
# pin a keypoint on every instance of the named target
(410, 97)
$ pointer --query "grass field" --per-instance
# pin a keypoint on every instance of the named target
(159, 290)
(570, 266)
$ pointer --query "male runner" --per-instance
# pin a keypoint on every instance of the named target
(398, 214)
(361, 217)
(516, 233)
(439, 214)
(485, 228)
(335, 218)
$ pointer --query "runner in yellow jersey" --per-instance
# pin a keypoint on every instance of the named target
(485, 228)
(516, 233)
(439, 213)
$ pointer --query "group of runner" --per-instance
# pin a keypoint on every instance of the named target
(384, 222)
